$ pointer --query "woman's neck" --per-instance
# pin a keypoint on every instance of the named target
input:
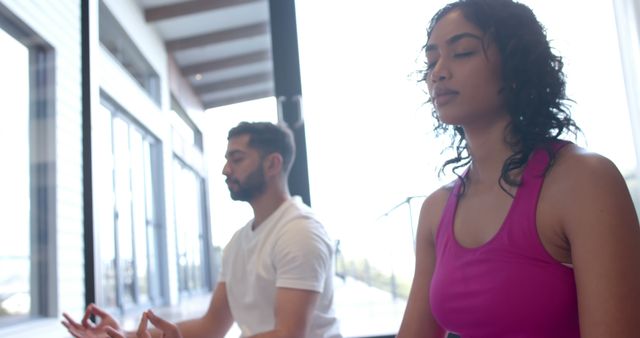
(488, 150)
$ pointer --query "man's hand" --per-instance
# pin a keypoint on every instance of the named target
(167, 329)
(86, 329)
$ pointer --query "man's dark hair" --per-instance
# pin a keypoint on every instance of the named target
(268, 138)
(534, 82)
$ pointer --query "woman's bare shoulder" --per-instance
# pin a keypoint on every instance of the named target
(438, 198)
(434, 205)
(576, 165)
(580, 178)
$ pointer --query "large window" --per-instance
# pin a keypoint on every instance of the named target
(15, 244)
(27, 195)
(127, 217)
(600, 108)
(191, 235)
(191, 226)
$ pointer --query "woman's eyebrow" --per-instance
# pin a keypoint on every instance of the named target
(453, 39)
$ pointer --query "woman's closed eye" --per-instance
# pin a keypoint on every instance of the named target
(463, 54)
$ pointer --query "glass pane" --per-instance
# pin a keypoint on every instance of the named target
(601, 111)
(115, 39)
(196, 258)
(124, 227)
(181, 130)
(151, 224)
(124, 187)
(104, 207)
(181, 241)
(368, 99)
(139, 215)
(189, 228)
(15, 204)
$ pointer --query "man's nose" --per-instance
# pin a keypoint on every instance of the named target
(226, 170)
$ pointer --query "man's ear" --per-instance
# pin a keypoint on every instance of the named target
(273, 164)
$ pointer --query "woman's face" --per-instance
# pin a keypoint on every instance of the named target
(463, 73)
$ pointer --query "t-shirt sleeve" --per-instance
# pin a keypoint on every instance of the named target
(222, 277)
(303, 256)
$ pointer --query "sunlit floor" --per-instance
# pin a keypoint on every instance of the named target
(366, 311)
(363, 311)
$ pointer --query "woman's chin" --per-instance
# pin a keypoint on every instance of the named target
(450, 118)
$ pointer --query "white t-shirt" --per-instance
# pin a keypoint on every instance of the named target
(290, 249)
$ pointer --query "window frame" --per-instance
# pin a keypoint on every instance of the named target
(42, 144)
(157, 292)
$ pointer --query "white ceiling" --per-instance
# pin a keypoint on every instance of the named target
(222, 47)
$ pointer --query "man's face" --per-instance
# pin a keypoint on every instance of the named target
(243, 169)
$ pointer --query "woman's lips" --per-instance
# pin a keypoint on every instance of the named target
(444, 98)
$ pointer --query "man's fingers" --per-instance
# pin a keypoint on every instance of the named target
(98, 311)
(72, 330)
(111, 332)
(85, 319)
(158, 322)
(142, 327)
(70, 322)
(166, 327)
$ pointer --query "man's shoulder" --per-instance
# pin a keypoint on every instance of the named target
(241, 232)
(301, 224)
(300, 213)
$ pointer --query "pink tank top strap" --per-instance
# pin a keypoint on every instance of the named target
(446, 220)
(538, 162)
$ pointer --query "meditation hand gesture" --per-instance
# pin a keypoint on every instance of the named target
(168, 329)
(86, 329)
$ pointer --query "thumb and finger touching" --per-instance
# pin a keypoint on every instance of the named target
(169, 329)
(113, 333)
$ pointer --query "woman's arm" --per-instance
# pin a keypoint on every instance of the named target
(601, 225)
(418, 322)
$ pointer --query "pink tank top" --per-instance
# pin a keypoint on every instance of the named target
(510, 286)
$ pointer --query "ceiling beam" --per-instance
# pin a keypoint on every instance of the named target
(234, 61)
(181, 88)
(218, 37)
(235, 83)
(238, 98)
(189, 7)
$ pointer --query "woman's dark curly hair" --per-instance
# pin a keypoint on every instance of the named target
(534, 82)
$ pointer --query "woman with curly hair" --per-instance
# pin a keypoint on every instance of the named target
(537, 237)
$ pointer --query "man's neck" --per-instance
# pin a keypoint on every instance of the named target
(266, 204)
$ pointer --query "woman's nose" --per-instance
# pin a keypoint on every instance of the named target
(440, 72)
(438, 77)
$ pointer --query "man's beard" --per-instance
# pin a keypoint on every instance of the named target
(253, 186)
